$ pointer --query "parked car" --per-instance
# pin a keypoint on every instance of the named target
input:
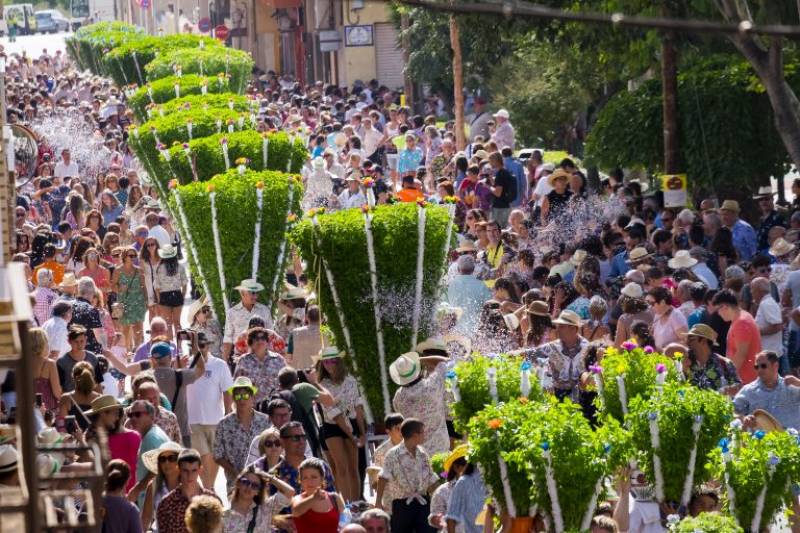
(45, 23)
(61, 21)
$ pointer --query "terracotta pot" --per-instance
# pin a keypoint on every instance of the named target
(521, 524)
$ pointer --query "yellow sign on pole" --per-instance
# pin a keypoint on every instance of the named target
(402, 100)
(674, 187)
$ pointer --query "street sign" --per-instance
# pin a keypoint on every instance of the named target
(204, 24)
(221, 32)
(329, 40)
(674, 187)
(144, 4)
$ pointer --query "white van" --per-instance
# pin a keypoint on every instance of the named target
(24, 17)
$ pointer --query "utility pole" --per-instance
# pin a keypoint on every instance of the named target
(408, 83)
(8, 191)
(669, 87)
(458, 83)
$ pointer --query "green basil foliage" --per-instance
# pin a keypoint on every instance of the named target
(708, 523)
(209, 62)
(341, 241)
(89, 44)
(163, 91)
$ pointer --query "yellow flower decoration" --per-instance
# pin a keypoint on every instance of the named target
(260, 185)
(210, 187)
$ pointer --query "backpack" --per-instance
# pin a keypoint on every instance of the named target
(510, 193)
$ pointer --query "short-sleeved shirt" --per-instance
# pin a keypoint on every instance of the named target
(264, 374)
(665, 328)
(232, 441)
(66, 363)
(744, 329)
(425, 400)
(171, 511)
(769, 314)
(346, 396)
(121, 516)
(235, 522)
(718, 372)
(781, 401)
(504, 179)
(411, 473)
(466, 502)
(237, 318)
(305, 394)
(204, 396)
(86, 315)
(151, 440)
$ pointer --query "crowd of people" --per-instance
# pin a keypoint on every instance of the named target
(253, 421)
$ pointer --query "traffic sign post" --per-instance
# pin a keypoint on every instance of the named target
(204, 24)
(221, 32)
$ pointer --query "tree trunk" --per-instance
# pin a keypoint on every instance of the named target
(408, 83)
(669, 84)
(458, 84)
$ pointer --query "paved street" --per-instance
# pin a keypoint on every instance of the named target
(33, 44)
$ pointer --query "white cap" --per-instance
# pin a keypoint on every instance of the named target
(501, 114)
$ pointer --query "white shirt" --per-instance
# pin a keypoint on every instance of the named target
(56, 329)
(204, 396)
(160, 234)
(542, 189)
(768, 314)
(348, 200)
(706, 275)
(66, 171)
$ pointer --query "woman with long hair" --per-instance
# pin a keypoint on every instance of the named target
(163, 464)
(170, 286)
(74, 211)
(23, 242)
(670, 324)
(315, 509)
(75, 262)
(540, 324)
(270, 449)
(634, 308)
(148, 262)
(251, 509)
(77, 402)
(95, 270)
(109, 332)
(120, 515)
(94, 222)
(45, 381)
(135, 196)
(722, 246)
(471, 221)
(110, 243)
(110, 207)
(343, 423)
(128, 283)
(202, 320)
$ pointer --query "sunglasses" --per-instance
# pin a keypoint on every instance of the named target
(761, 366)
(152, 245)
(272, 444)
(295, 438)
(244, 482)
(137, 414)
(172, 458)
(238, 396)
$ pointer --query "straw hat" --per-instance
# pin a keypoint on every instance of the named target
(249, 285)
(196, 306)
(103, 403)
(557, 175)
(578, 257)
(458, 453)
(730, 205)
(458, 346)
(568, 318)
(8, 458)
(764, 191)
(243, 382)
(481, 154)
(405, 369)
(639, 253)
(781, 247)
(682, 259)
(466, 246)
(643, 186)
(766, 422)
(512, 321)
(704, 331)
(632, 290)
(68, 280)
(293, 293)
(329, 352)
(430, 346)
(538, 308)
(167, 251)
(150, 458)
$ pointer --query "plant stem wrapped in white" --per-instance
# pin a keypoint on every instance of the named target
(218, 250)
(586, 522)
(525, 379)
(189, 126)
(511, 506)
(755, 525)
(204, 88)
(491, 377)
(726, 458)
(177, 90)
(552, 491)
(224, 143)
(373, 276)
(417, 310)
(655, 441)
(687, 483)
(265, 150)
(453, 378)
(139, 72)
(282, 251)
(219, 125)
(623, 395)
(257, 238)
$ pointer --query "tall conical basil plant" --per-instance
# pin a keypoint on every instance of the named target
(338, 242)
(225, 253)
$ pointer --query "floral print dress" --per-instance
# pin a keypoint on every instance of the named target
(425, 400)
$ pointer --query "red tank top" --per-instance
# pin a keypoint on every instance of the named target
(315, 522)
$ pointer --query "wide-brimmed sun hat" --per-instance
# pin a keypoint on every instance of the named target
(632, 290)
(69, 280)
(432, 346)
(578, 257)
(730, 205)
(557, 175)
(249, 285)
(458, 453)
(781, 247)
(243, 382)
(704, 331)
(682, 259)
(103, 403)
(150, 458)
(639, 253)
(766, 422)
(538, 308)
(568, 318)
(765, 191)
(330, 352)
(405, 369)
(196, 306)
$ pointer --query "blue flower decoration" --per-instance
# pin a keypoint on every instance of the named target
(545, 446)
(606, 447)
(525, 366)
(491, 355)
(759, 434)
(451, 374)
(773, 459)
(652, 416)
(724, 444)
(681, 393)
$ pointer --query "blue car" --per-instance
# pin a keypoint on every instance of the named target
(45, 23)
